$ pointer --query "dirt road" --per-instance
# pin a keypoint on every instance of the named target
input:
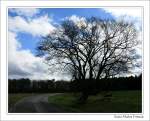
(36, 104)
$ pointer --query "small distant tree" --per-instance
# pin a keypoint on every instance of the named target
(90, 49)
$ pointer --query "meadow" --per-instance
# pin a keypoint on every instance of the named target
(120, 102)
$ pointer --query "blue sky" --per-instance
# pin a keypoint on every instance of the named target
(26, 26)
(57, 14)
(60, 13)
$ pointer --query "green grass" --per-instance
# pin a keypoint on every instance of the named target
(121, 102)
(13, 98)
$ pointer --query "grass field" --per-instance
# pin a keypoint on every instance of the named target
(13, 98)
(121, 102)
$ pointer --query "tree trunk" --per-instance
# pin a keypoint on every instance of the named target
(83, 98)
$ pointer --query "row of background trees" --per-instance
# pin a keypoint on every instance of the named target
(50, 86)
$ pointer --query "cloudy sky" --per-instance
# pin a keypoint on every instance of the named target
(26, 26)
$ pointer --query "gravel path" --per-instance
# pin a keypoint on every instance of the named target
(36, 104)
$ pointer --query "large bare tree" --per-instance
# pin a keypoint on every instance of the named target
(91, 49)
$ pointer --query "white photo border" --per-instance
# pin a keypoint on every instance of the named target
(68, 116)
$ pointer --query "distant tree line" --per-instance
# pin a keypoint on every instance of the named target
(109, 84)
(37, 86)
(49, 86)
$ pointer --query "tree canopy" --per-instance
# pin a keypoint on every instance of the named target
(91, 48)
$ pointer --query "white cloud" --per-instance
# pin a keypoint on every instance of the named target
(37, 26)
(27, 12)
(124, 11)
(23, 64)
(80, 21)
(76, 19)
(129, 14)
